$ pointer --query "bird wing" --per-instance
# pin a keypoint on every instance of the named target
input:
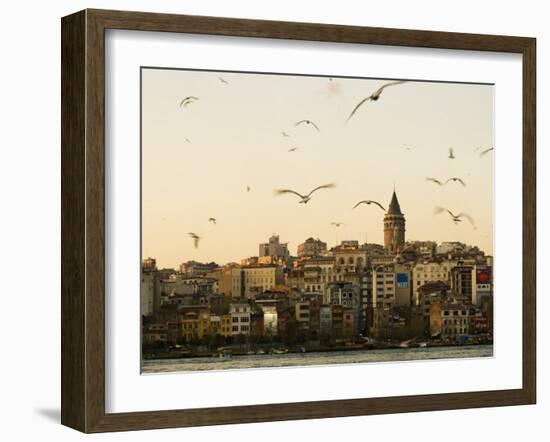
(358, 106)
(361, 202)
(315, 126)
(324, 186)
(468, 217)
(438, 209)
(485, 151)
(281, 191)
(188, 100)
(393, 83)
(300, 122)
(196, 242)
(379, 205)
(434, 180)
(460, 180)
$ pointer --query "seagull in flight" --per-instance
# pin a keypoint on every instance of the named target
(369, 202)
(454, 179)
(223, 80)
(187, 140)
(304, 199)
(293, 149)
(486, 151)
(434, 180)
(196, 239)
(212, 220)
(187, 100)
(309, 123)
(284, 134)
(373, 97)
(451, 154)
(456, 218)
(248, 188)
(337, 224)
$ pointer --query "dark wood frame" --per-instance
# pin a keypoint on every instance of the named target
(83, 216)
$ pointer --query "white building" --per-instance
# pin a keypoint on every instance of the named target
(240, 318)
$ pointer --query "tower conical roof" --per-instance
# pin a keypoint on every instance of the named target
(394, 208)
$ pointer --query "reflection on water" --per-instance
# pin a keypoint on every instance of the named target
(323, 358)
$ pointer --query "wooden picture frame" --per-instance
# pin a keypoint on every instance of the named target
(83, 220)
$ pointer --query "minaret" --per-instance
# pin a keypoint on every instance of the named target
(394, 226)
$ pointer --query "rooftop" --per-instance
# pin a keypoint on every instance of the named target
(394, 208)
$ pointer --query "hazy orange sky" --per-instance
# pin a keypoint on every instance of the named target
(235, 138)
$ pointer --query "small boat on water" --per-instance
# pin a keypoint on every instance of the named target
(422, 344)
(279, 351)
(260, 352)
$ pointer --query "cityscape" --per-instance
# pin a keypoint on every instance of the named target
(294, 220)
(351, 297)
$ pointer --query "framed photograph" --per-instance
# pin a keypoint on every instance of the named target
(267, 220)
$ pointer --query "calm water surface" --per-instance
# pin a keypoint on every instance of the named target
(322, 358)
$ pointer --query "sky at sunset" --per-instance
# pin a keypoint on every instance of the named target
(235, 140)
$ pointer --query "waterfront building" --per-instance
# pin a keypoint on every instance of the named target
(220, 325)
(337, 320)
(349, 322)
(240, 318)
(270, 318)
(302, 315)
(454, 321)
(325, 319)
(155, 333)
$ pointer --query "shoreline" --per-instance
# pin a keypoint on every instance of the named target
(236, 353)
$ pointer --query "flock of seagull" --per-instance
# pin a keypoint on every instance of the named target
(306, 197)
